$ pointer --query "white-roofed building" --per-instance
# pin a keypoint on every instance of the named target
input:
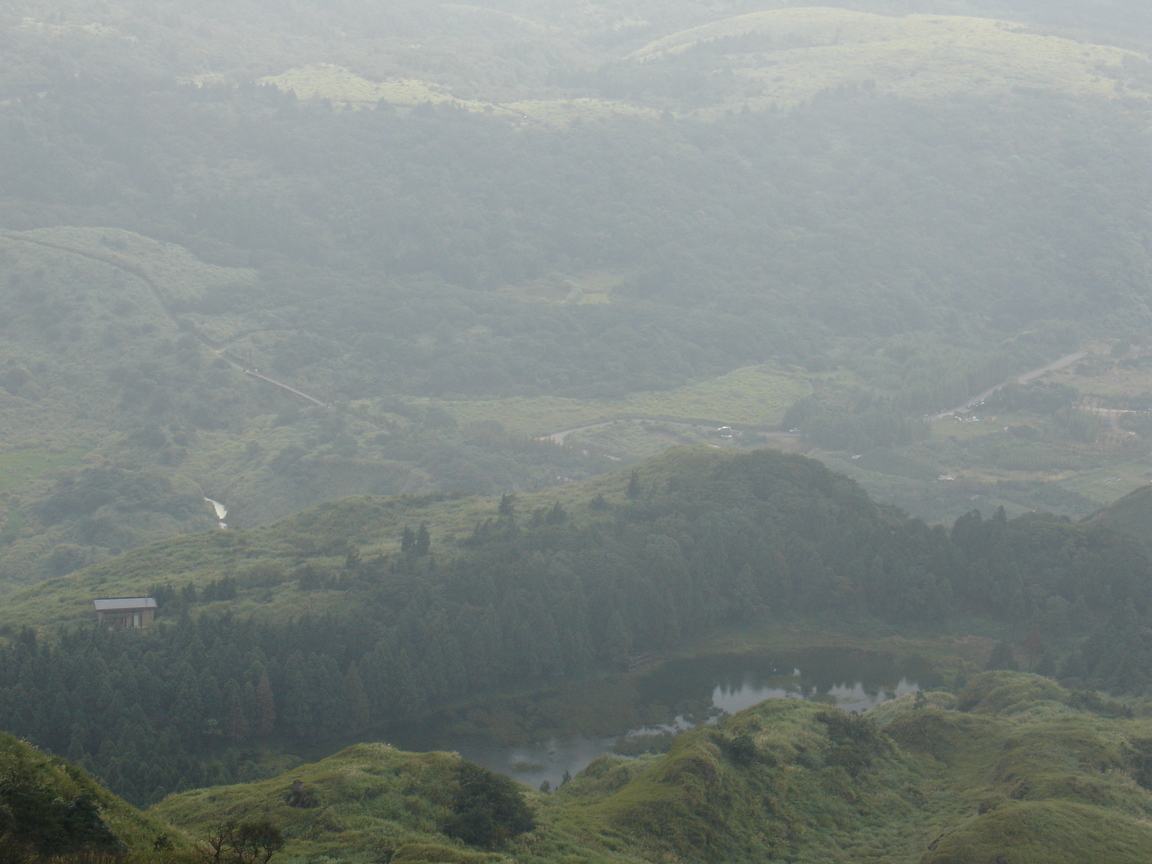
(125, 613)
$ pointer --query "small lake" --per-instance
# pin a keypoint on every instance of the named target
(700, 691)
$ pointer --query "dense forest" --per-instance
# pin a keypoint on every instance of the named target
(543, 597)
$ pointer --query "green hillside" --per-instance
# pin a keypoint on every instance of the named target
(786, 56)
(53, 811)
(783, 57)
(1014, 768)
(1132, 514)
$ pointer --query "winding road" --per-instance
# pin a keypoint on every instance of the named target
(1026, 378)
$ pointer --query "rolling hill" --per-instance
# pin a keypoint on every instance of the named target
(1014, 768)
(786, 56)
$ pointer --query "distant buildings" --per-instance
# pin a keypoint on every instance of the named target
(125, 613)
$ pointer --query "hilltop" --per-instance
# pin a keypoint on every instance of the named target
(266, 563)
(786, 56)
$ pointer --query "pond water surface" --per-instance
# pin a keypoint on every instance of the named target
(695, 692)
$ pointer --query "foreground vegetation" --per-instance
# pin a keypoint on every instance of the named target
(1012, 768)
(53, 811)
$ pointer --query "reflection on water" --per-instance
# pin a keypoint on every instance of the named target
(535, 764)
(695, 692)
(854, 697)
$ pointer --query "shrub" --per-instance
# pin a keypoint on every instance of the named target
(487, 808)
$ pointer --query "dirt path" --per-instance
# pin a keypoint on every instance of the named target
(117, 261)
(560, 437)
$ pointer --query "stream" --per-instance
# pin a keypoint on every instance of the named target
(692, 693)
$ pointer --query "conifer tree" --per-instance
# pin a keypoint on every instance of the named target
(408, 540)
(265, 706)
(355, 700)
(235, 720)
(423, 540)
(507, 505)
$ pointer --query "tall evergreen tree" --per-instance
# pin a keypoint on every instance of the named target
(423, 541)
(265, 706)
(355, 700)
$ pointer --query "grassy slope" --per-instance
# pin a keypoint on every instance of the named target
(373, 803)
(801, 52)
(1015, 769)
(1055, 781)
(135, 829)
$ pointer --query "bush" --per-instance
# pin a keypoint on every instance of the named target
(488, 809)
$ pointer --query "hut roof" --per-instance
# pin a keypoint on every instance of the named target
(112, 604)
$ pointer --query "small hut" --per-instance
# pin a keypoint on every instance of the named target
(125, 613)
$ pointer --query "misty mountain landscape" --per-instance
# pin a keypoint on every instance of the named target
(520, 431)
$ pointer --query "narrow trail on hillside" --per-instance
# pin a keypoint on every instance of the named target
(218, 348)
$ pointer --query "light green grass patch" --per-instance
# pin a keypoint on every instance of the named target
(48, 30)
(344, 87)
(363, 794)
(809, 50)
(328, 81)
(751, 396)
(633, 439)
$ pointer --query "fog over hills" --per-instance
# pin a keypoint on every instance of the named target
(461, 366)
